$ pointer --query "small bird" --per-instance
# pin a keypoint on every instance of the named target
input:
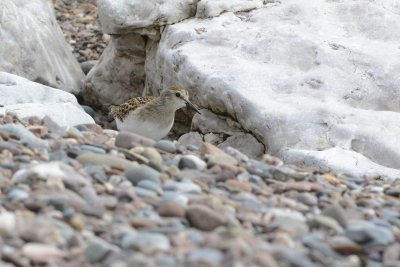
(152, 116)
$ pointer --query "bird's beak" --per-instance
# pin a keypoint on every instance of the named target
(191, 106)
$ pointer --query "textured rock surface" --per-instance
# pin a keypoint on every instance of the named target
(305, 84)
(32, 45)
(26, 98)
(126, 15)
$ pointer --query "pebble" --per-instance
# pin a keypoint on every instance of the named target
(42, 253)
(216, 155)
(166, 145)
(170, 209)
(98, 159)
(154, 157)
(142, 172)
(336, 212)
(204, 218)
(150, 185)
(183, 187)
(191, 162)
(146, 242)
(191, 138)
(96, 250)
(370, 234)
(343, 244)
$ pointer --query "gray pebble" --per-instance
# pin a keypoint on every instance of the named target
(191, 162)
(183, 187)
(205, 256)
(143, 172)
(93, 149)
(150, 185)
(192, 138)
(166, 145)
(146, 242)
(96, 249)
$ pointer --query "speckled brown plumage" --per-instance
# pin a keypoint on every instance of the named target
(122, 110)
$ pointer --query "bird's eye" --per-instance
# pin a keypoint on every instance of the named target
(178, 94)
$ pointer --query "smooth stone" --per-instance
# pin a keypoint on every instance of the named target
(245, 143)
(239, 156)
(176, 197)
(17, 194)
(96, 249)
(145, 193)
(128, 140)
(93, 149)
(170, 209)
(166, 145)
(204, 218)
(8, 223)
(287, 213)
(42, 253)
(216, 155)
(108, 160)
(183, 187)
(370, 234)
(146, 242)
(344, 245)
(191, 162)
(236, 185)
(89, 110)
(294, 227)
(150, 185)
(391, 255)
(336, 212)
(293, 257)
(205, 257)
(192, 138)
(154, 157)
(86, 66)
(142, 172)
(325, 221)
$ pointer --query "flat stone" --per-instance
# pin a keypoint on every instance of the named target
(216, 155)
(344, 245)
(183, 187)
(42, 253)
(146, 242)
(245, 143)
(192, 138)
(204, 218)
(150, 185)
(166, 145)
(154, 157)
(142, 172)
(108, 160)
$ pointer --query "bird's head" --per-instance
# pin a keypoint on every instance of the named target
(178, 97)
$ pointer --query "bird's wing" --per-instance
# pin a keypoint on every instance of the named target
(120, 111)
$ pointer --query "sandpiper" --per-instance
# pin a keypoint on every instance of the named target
(152, 116)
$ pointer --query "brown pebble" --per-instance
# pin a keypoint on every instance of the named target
(204, 218)
(343, 244)
(38, 129)
(171, 209)
(234, 184)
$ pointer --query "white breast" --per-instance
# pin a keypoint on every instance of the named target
(148, 129)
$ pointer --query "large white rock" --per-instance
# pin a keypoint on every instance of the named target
(26, 98)
(33, 46)
(122, 16)
(316, 81)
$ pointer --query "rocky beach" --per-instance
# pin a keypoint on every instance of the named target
(229, 187)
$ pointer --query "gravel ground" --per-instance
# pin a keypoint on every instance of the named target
(79, 22)
(92, 197)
